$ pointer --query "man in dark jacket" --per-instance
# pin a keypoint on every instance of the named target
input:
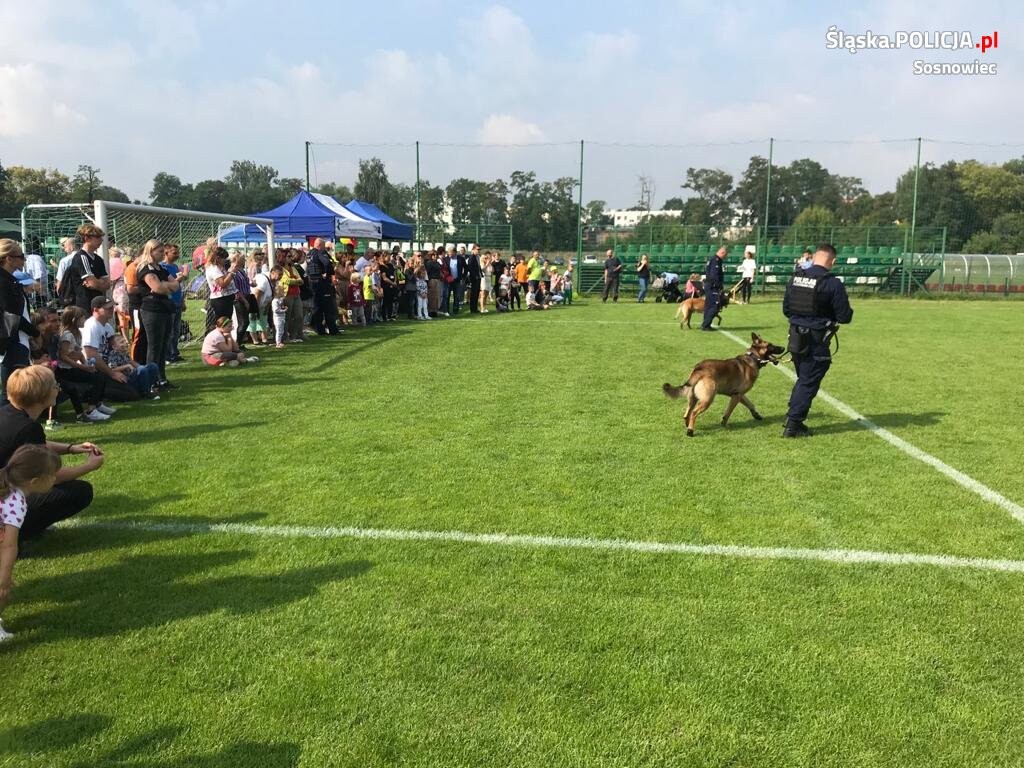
(15, 325)
(457, 267)
(474, 273)
(815, 302)
(714, 284)
(497, 270)
(319, 270)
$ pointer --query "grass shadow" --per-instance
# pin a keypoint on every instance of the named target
(181, 432)
(884, 420)
(71, 541)
(58, 734)
(53, 734)
(366, 339)
(155, 590)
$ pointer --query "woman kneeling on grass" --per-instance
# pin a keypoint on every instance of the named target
(32, 469)
(219, 348)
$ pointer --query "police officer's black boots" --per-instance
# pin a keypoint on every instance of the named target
(796, 429)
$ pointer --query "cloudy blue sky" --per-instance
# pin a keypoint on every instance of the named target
(134, 88)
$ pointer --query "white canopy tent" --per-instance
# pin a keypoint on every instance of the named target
(348, 224)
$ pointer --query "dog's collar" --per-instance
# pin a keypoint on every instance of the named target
(757, 360)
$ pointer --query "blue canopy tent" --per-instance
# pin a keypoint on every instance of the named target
(390, 229)
(303, 216)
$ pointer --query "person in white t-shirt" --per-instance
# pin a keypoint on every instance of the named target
(263, 293)
(36, 267)
(68, 245)
(96, 333)
(98, 338)
(748, 269)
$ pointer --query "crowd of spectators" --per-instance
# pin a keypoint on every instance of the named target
(97, 335)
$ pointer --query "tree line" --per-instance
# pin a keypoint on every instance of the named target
(980, 205)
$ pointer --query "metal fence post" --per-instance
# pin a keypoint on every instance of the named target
(418, 238)
(913, 214)
(768, 189)
(579, 215)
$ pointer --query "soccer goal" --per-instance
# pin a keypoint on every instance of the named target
(43, 227)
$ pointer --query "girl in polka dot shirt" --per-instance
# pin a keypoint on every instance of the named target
(32, 469)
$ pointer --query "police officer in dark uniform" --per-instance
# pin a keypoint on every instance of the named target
(714, 284)
(815, 303)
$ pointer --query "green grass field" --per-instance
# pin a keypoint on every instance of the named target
(171, 644)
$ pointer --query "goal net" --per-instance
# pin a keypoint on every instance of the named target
(129, 226)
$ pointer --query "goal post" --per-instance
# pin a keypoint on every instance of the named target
(43, 226)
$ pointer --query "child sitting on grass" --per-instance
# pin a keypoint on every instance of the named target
(141, 378)
(32, 469)
(220, 347)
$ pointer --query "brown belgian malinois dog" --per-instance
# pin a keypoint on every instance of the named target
(734, 377)
(688, 307)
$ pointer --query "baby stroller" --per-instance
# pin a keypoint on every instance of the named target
(670, 293)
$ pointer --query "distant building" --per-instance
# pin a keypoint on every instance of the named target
(621, 218)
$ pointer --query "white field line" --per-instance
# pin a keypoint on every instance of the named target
(911, 450)
(838, 556)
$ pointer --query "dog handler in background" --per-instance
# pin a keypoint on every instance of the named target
(815, 302)
(714, 284)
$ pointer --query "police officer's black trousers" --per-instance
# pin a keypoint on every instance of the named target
(710, 307)
(810, 370)
(325, 313)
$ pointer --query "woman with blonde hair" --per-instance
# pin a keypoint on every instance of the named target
(643, 277)
(485, 281)
(157, 309)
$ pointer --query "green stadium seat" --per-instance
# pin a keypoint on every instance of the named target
(859, 250)
(679, 249)
(847, 250)
(691, 248)
(703, 249)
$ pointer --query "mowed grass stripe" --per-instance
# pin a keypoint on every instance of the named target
(838, 556)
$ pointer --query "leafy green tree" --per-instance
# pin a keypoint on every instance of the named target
(941, 202)
(696, 212)
(85, 184)
(289, 187)
(36, 185)
(169, 192)
(593, 213)
(986, 242)
(208, 195)
(431, 203)
(250, 187)
(715, 187)
(339, 192)
(673, 204)
(992, 190)
(372, 183)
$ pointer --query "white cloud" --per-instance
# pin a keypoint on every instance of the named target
(506, 129)
(500, 78)
(604, 52)
(170, 29)
(305, 71)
